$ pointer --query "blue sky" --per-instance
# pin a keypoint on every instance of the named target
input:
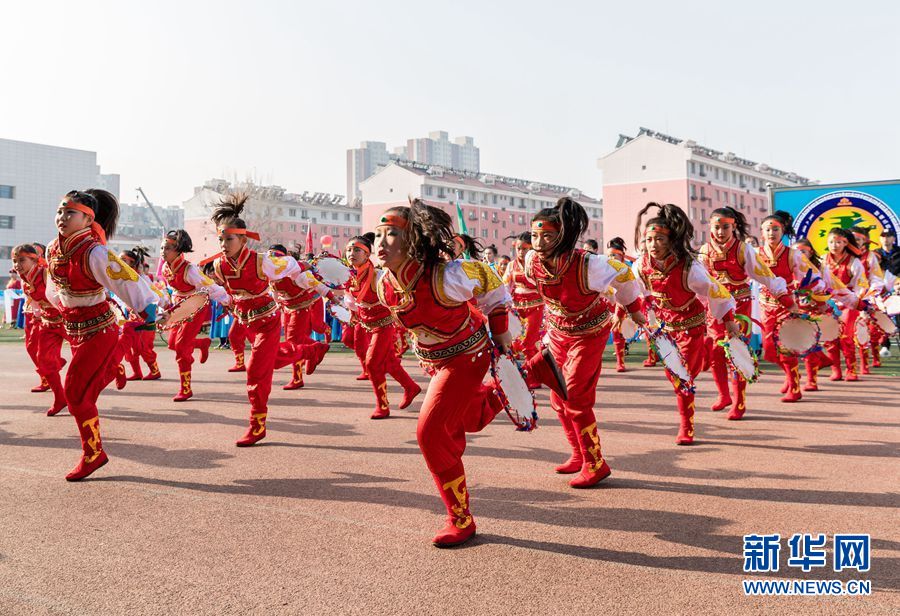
(172, 93)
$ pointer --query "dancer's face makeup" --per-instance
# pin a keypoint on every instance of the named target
(657, 244)
(69, 221)
(391, 249)
(231, 243)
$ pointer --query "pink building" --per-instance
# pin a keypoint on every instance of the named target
(657, 167)
(493, 206)
(279, 216)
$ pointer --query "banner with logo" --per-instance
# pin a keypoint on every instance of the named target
(818, 209)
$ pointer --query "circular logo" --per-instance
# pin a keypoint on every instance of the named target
(844, 209)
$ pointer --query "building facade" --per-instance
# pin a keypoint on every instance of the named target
(494, 207)
(435, 149)
(656, 167)
(138, 226)
(33, 179)
(278, 216)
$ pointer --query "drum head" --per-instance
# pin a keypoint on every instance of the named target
(332, 271)
(629, 328)
(671, 357)
(862, 332)
(184, 310)
(341, 313)
(829, 327)
(512, 384)
(742, 359)
(892, 305)
(884, 323)
(651, 318)
(515, 326)
(797, 336)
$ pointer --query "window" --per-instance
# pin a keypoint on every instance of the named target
(5, 252)
(471, 197)
(441, 194)
(334, 216)
(484, 216)
(292, 212)
(497, 234)
(7, 192)
(693, 191)
(484, 233)
(521, 219)
(428, 190)
(7, 222)
(643, 167)
(643, 190)
(494, 199)
(702, 193)
(717, 175)
(293, 228)
(304, 214)
(347, 217)
(693, 168)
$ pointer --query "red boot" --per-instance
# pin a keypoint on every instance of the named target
(154, 372)
(812, 373)
(851, 368)
(256, 432)
(318, 350)
(121, 379)
(382, 408)
(739, 387)
(460, 523)
(575, 461)
(686, 414)
(59, 394)
(44, 386)
(543, 367)
(238, 363)
(409, 394)
(720, 376)
(184, 393)
(296, 376)
(362, 377)
(136, 373)
(203, 345)
(92, 456)
(864, 360)
(620, 355)
(793, 394)
(594, 469)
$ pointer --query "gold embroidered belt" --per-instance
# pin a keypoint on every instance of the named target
(479, 337)
(301, 305)
(582, 328)
(525, 304)
(690, 323)
(374, 325)
(255, 314)
(83, 329)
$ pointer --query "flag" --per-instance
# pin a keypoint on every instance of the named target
(309, 242)
(460, 218)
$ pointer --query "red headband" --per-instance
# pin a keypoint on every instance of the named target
(772, 221)
(95, 227)
(657, 228)
(393, 220)
(544, 225)
(40, 260)
(722, 218)
(253, 235)
(362, 247)
(277, 253)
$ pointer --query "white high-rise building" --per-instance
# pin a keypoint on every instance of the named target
(33, 179)
(436, 149)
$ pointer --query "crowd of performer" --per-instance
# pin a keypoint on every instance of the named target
(550, 305)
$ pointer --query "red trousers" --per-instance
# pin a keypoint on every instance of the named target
(237, 338)
(139, 345)
(357, 337)
(31, 339)
(183, 340)
(44, 344)
(380, 359)
(619, 345)
(531, 323)
(720, 366)
(845, 343)
(772, 316)
(580, 358)
(692, 344)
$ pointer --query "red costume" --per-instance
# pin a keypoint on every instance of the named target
(44, 335)
(676, 285)
(380, 357)
(579, 318)
(528, 304)
(237, 339)
(848, 279)
(733, 265)
(247, 279)
(875, 277)
(81, 269)
(139, 343)
(297, 303)
(453, 345)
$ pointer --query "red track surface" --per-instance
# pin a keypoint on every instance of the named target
(334, 513)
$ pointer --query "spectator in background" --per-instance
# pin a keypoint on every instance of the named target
(889, 253)
(591, 246)
(15, 283)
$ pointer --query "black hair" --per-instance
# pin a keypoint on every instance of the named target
(183, 242)
(429, 232)
(279, 247)
(616, 243)
(864, 231)
(368, 239)
(852, 244)
(673, 218)
(572, 221)
(209, 268)
(104, 205)
(492, 247)
(28, 249)
(138, 254)
(813, 255)
(593, 244)
(741, 228)
(785, 219)
(227, 212)
(471, 246)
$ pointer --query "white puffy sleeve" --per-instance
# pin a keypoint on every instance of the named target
(711, 292)
(204, 283)
(276, 268)
(756, 269)
(604, 272)
(876, 274)
(462, 280)
(114, 274)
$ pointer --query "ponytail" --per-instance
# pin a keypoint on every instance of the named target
(852, 244)
(741, 228)
(182, 241)
(783, 218)
(104, 205)
(429, 233)
(676, 221)
(572, 221)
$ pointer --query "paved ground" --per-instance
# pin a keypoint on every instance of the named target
(334, 513)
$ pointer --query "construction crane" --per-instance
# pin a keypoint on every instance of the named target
(153, 210)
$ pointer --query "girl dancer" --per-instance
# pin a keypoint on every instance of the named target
(81, 270)
(430, 295)
(526, 300)
(380, 356)
(818, 359)
(875, 275)
(574, 283)
(186, 279)
(846, 274)
(44, 331)
(677, 281)
(296, 303)
(733, 262)
(139, 343)
(247, 276)
(615, 248)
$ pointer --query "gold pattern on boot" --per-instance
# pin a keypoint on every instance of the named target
(382, 395)
(261, 423)
(594, 449)
(795, 380)
(185, 383)
(691, 418)
(93, 442)
(462, 518)
(239, 360)
(154, 369)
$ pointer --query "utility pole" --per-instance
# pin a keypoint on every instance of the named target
(153, 210)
